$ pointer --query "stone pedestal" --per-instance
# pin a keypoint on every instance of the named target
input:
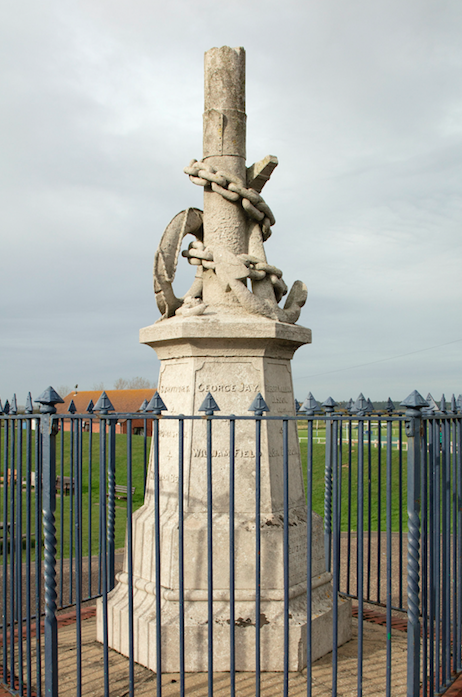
(233, 358)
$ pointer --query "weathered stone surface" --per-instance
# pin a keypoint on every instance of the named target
(224, 147)
(196, 631)
(224, 103)
(229, 247)
(232, 341)
(226, 330)
(200, 355)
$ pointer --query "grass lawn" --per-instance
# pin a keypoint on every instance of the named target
(90, 511)
(374, 475)
(373, 480)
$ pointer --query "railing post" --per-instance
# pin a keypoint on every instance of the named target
(413, 404)
(258, 406)
(103, 406)
(359, 408)
(157, 406)
(458, 526)
(209, 406)
(329, 405)
(111, 504)
(48, 431)
(107, 507)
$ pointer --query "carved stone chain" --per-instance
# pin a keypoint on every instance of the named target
(231, 270)
(232, 189)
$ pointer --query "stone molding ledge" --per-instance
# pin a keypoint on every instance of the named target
(240, 595)
(223, 327)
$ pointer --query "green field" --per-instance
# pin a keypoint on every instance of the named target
(373, 479)
(66, 504)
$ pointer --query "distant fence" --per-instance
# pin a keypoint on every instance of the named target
(392, 536)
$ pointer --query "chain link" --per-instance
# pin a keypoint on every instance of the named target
(232, 189)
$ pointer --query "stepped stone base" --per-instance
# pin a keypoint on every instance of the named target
(196, 630)
(234, 359)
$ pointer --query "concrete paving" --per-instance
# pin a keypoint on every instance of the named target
(92, 661)
(271, 683)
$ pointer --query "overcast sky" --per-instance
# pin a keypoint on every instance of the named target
(101, 108)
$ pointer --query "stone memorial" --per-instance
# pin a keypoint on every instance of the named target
(228, 337)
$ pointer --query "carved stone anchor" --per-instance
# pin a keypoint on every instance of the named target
(228, 248)
(166, 260)
(232, 270)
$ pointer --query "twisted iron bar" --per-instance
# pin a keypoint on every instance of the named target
(111, 507)
(328, 496)
(49, 529)
(413, 569)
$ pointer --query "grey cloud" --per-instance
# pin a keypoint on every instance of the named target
(101, 109)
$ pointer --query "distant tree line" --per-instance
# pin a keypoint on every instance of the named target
(134, 384)
(137, 383)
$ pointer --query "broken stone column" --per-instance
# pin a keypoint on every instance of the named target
(228, 338)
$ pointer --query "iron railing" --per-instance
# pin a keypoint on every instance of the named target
(386, 484)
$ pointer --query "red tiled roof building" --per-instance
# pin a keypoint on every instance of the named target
(123, 401)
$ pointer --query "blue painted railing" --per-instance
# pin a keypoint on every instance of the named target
(372, 464)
